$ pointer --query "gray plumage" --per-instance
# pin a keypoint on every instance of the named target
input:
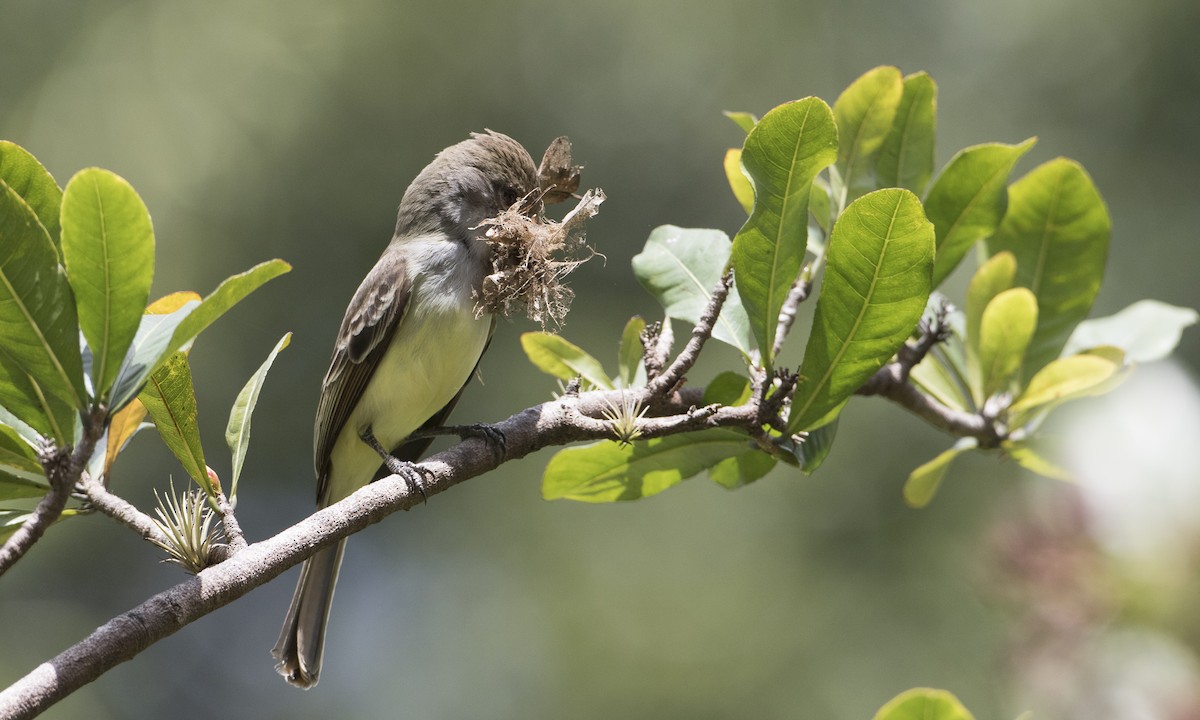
(406, 348)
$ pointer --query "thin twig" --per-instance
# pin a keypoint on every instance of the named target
(673, 375)
(932, 332)
(117, 508)
(787, 314)
(887, 382)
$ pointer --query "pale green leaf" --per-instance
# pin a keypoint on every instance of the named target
(742, 468)
(1147, 330)
(11, 520)
(1031, 457)
(906, 158)
(171, 401)
(237, 430)
(746, 121)
(876, 285)
(630, 370)
(1005, 330)
(1058, 228)
(1065, 379)
(820, 210)
(992, 278)
(609, 472)
(865, 112)
(782, 155)
(969, 199)
(148, 348)
(923, 483)
(743, 191)
(727, 388)
(108, 247)
(564, 360)
(229, 293)
(680, 267)
(924, 704)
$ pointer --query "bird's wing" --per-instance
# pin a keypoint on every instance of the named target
(374, 314)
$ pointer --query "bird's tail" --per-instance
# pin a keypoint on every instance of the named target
(302, 642)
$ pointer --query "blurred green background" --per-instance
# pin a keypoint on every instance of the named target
(290, 129)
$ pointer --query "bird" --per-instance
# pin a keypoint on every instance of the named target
(410, 340)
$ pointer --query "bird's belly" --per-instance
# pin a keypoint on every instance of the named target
(429, 359)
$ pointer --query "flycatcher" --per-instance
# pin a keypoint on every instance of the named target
(409, 342)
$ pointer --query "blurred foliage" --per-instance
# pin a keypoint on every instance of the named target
(291, 129)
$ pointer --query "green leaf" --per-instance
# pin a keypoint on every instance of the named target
(924, 704)
(1031, 457)
(782, 155)
(237, 430)
(17, 454)
(37, 316)
(746, 121)
(171, 402)
(906, 158)
(629, 355)
(727, 388)
(1058, 228)
(23, 173)
(148, 348)
(1147, 330)
(564, 360)
(815, 448)
(821, 213)
(11, 520)
(995, 276)
(608, 472)
(13, 487)
(108, 247)
(1004, 333)
(48, 416)
(229, 293)
(923, 483)
(968, 200)
(1065, 379)
(865, 111)
(743, 191)
(876, 285)
(743, 468)
(680, 267)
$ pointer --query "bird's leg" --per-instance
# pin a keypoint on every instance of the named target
(412, 473)
(489, 434)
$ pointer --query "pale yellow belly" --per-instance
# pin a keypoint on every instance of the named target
(429, 359)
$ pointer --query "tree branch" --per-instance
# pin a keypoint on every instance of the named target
(569, 419)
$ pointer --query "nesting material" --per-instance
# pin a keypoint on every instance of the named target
(532, 255)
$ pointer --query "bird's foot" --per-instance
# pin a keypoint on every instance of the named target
(414, 475)
(489, 434)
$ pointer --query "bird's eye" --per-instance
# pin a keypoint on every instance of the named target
(509, 195)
